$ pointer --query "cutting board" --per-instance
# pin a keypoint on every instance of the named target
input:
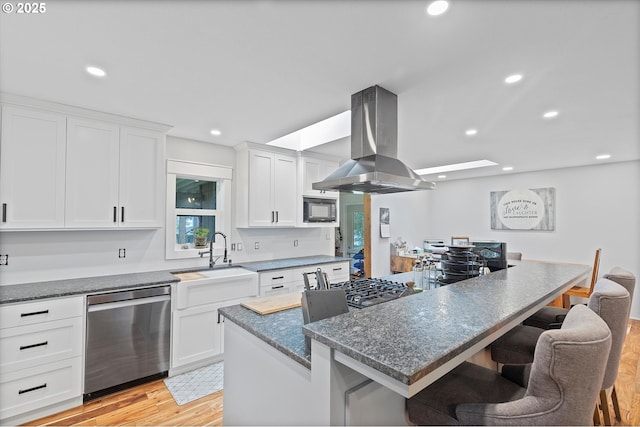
(275, 303)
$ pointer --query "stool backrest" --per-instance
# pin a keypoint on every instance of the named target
(612, 302)
(568, 368)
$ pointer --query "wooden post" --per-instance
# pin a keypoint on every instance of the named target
(367, 234)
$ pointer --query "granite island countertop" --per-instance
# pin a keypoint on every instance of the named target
(409, 337)
(87, 285)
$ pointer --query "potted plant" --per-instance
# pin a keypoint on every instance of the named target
(201, 234)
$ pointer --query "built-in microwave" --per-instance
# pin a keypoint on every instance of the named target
(319, 210)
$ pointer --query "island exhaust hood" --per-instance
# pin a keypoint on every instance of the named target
(374, 167)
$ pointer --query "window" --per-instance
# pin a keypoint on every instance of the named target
(197, 195)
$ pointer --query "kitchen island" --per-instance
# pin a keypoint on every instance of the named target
(363, 364)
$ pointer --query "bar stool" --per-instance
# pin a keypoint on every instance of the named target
(557, 391)
(611, 302)
(551, 317)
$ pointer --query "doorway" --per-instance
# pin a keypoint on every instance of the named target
(352, 230)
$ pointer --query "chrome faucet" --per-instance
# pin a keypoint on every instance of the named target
(212, 262)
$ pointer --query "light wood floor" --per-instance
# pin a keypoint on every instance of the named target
(152, 404)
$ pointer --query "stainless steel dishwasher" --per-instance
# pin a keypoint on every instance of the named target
(128, 339)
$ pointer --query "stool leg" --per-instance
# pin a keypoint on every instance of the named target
(604, 405)
(616, 407)
(566, 301)
(596, 416)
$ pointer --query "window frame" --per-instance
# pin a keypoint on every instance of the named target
(205, 172)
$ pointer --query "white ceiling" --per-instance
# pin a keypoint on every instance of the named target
(258, 70)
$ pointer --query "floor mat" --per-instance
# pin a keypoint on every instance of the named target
(195, 384)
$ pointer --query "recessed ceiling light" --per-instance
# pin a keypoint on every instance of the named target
(215, 132)
(442, 176)
(550, 114)
(603, 156)
(507, 168)
(456, 167)
(95, 71)
(513, 78)
(437, 7)
(471, 132)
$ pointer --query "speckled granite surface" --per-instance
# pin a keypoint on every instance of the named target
(278, 264)
(89, 285)
(60, 288)
(410, 337)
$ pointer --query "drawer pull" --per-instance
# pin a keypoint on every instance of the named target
(40, 344)
(27, 390)
(34, 313)
(277, 287)
(277, 278)
(337, 269)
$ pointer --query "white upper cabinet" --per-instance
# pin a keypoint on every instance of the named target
(266, 189)
(66, 167)
(32, 168)
(92, 174)
(114, 176)
(315, 170)
(142, 178)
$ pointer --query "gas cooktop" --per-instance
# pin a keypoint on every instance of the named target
(363, 293)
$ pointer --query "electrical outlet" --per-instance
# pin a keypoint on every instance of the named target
(257, 245)
(233, 246)
(239, 247)
(295, 243)
(4, 259)
(122, 253)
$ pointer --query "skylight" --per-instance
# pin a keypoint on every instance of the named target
(456, 167)
(331, 129)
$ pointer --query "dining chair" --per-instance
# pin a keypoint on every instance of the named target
(561, 388)
(581, 291)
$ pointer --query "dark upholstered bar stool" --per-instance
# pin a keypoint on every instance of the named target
(562, 388)
(611, 302)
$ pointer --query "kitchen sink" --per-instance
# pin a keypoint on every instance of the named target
(215, 273)
(215, 285)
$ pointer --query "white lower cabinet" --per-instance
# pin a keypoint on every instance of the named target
(41, 358)
(275, 282)
(336, 272)
(197, 335)
(197, 330)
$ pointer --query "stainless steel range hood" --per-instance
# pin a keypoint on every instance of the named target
(374, 167)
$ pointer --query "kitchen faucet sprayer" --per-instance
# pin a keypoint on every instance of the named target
(210, 251)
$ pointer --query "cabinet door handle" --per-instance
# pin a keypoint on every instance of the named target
(27, 390)
(40, 344)
(273, 216)
(34, 313)
(122, 214)
(276, 216)
(337, 269)
(115, 214)
(277, 287)
(4, 212)
(276, 278)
